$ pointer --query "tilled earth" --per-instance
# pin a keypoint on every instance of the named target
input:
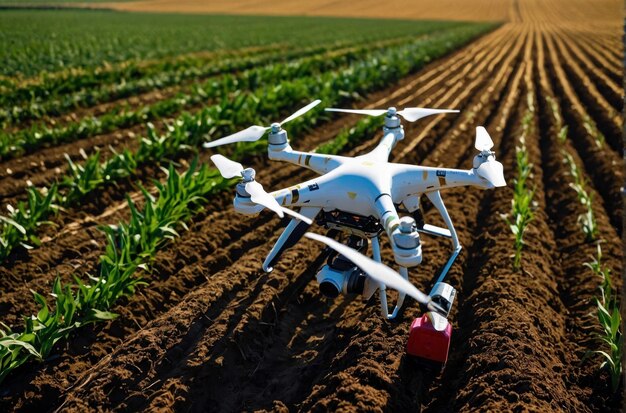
(213, 332)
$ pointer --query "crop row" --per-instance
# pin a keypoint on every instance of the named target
(611, 336)
(52, 86)
(130, 247)
(522, 203)
(27, 140)
(607, 304)
(57, 96)
(65, 39)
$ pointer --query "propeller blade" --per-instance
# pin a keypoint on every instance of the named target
(483, 140)
(413, 114)
(297, 215)
(379, 272)
(370, 112)
(251, 134)
(493, 172)
(228, 169)
(302, 111)
(259, 196)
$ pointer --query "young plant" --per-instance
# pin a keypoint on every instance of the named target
(587, 219)
(609, 316)
(592, 130)
(131, 246)
(554, 107)
(522, 204)
(91, 174)
(21, 225)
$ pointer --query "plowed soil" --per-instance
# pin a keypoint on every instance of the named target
(213, 332)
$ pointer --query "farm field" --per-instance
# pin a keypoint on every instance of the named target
(206, 329)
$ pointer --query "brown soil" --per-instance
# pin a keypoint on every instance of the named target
(212, 332)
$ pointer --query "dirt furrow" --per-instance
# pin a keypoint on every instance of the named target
(469, 89)
(610, 66)
(577, 284)
(607, 118)
(500, 301)
(604, 166)
(471, 70)
(610, 89)
(611, 51)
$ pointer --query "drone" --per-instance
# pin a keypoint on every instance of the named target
(357, 199)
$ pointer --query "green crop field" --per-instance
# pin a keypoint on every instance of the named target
(58, 39)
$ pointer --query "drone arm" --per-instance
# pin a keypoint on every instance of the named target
(315, 192)
(387, 143)
(320, 163)
(387, 213)
(290, 236)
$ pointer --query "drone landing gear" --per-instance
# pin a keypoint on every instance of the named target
(404, 272)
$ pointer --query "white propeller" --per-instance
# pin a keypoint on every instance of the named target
(254, 133)
(483, 140)
(258, 195)
(491, 170)
(228, 169)
(378, 271)
(409, 114)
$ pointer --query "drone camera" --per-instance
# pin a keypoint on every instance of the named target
(334, 282)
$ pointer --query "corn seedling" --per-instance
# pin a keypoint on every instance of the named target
(593, 131)
(610, 320)
(23, 221)
(562, 134)
(522, 203)
(556, 114)
(130, 247)
(587, 219)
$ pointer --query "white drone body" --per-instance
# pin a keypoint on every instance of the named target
(360, 196)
